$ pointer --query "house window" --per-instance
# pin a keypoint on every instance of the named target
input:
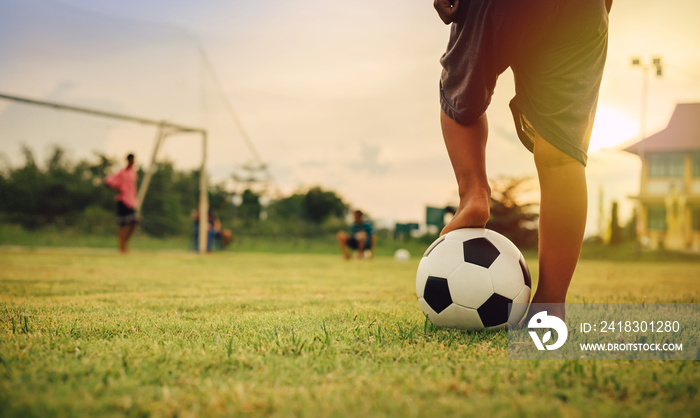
(666, 165)
(696, 165)
(656, 218)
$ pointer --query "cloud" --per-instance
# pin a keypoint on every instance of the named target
(369, 161)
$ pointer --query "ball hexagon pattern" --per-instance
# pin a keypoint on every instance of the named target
(437, 294)
(473, 278)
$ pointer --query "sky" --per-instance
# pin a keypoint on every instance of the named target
(335, 94)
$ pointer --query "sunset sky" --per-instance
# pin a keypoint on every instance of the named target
(337, 94)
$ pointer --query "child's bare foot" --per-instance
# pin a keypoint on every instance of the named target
(539, 304)
(473, 211)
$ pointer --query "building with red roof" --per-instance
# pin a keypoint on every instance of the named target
(668, 204)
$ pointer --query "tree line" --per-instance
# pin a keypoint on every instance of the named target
(67, 194)
(64, 194)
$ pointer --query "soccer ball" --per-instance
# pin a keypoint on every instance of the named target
(468, 277)
(402, 255)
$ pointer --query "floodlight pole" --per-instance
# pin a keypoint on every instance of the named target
(658, 67)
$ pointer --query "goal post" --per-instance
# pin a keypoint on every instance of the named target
(164, 129)
(162, 132)
(203, 199)
(143, 188)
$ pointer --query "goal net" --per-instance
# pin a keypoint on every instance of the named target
(99, 85)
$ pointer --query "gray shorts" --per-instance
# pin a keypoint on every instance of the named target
(125, 214)
(556, 49)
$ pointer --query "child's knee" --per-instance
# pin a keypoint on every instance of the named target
(547, 156)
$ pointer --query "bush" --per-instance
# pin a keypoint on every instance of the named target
(97, 220)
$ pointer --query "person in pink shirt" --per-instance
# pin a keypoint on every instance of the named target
(124, 182)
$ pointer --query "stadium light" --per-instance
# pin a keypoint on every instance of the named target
(657, 65)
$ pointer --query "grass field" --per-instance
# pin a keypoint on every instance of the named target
(85, 332)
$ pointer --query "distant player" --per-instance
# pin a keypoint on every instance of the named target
(360, 238)
(557, 51)
(124, 182)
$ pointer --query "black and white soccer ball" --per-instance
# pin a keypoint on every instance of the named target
(468, 278)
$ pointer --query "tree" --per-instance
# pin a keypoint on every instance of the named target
(615, 229)
(19, 197)
(315, 205)
(250, 207)
(66, 194)
(319, 205)
(59, 194)
(288, 208)
(220, 203)
(163, 215)
(186, 186)
(630, 230)
(511, 218)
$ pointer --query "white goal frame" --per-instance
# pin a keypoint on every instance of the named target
(164, 129)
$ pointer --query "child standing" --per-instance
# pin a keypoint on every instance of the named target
(557, 51)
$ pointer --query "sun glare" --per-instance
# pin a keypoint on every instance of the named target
(611, 128)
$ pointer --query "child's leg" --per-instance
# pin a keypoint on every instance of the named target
(563, 207)
(361, 239)
(121, 236)
(466, 146)
(130, 231)
(342, 238)
(125, 233)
